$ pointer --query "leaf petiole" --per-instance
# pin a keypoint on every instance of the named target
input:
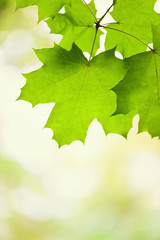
(93, 45)
(90, 9)
(129, 34)
(100, 20)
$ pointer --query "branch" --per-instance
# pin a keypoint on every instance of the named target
(90, 9)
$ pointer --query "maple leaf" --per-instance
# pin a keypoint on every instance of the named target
(139, 92)
(78, 28)
(133, 22)
(80, 89)
(45, 8)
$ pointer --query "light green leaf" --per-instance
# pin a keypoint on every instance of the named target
(139, 92)
(76, 25)
(117, 123)
(81, 90)
(135, 18)
(45, 8)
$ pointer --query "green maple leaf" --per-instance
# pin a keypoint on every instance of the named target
(45, 8)
(134, 18)
(80, 89)
(139, 92)
(78, 28)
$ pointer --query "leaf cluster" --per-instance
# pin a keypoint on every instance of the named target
(104, 87)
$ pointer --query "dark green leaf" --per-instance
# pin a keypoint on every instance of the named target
(139, 92)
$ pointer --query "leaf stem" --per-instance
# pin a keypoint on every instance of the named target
(157, 79)
(118, 30)
(106, 13)
(94, 41)
(90, 9)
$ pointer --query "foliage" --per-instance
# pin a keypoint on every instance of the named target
(102, 87)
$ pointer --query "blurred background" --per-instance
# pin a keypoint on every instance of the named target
(105, 189)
